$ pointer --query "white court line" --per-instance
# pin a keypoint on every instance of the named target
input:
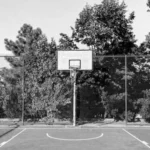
(73, 128)
(5, 142)
(76, 128)
(143, 142)
(66, 128)
(94, 138)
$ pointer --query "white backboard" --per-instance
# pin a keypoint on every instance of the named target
(67, 59)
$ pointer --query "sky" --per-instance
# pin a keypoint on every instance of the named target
(57, 16)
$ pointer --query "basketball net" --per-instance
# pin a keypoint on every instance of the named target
(73, 73)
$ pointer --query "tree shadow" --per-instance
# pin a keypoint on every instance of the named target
(9, 131)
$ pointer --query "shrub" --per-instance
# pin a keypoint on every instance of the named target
(145, 109)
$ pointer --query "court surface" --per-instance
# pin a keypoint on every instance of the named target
(75, 138)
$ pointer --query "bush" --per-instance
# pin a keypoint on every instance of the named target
(114, 106)
(145, 109)
(131, 116)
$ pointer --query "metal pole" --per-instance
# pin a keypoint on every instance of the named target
(74, 99)
(23, 93)
(126, 92)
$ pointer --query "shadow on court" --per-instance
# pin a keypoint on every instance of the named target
(6, 131)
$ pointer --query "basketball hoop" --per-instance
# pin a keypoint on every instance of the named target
(74, 65)
(82, 59)
(73, 72)
(73, 61)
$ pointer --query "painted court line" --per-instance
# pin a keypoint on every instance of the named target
(143, 142)
(74, 128)
(5, 142)
(69, 128)
(74, 139)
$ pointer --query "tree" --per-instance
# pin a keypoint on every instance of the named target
(105, 28)
(37, 57)
(143, 71)
(66, 43)
(145, 105)
(10, 93)
(148, 3)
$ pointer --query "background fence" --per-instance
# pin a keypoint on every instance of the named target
(33, 91)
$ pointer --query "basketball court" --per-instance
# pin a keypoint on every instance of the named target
(38, 138)
(73, 137)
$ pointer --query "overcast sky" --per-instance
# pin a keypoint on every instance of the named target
(56, 16)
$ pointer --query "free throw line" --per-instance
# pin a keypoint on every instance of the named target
(143, 142)
(5, 142)
(94, 138)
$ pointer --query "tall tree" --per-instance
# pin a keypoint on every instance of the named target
(37, 58)
(107, 31)
(105, 28)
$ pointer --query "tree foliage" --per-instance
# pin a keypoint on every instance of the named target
(106, 30)
(36, 62)
(145, 105)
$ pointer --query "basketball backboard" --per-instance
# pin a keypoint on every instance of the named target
(80, 59)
